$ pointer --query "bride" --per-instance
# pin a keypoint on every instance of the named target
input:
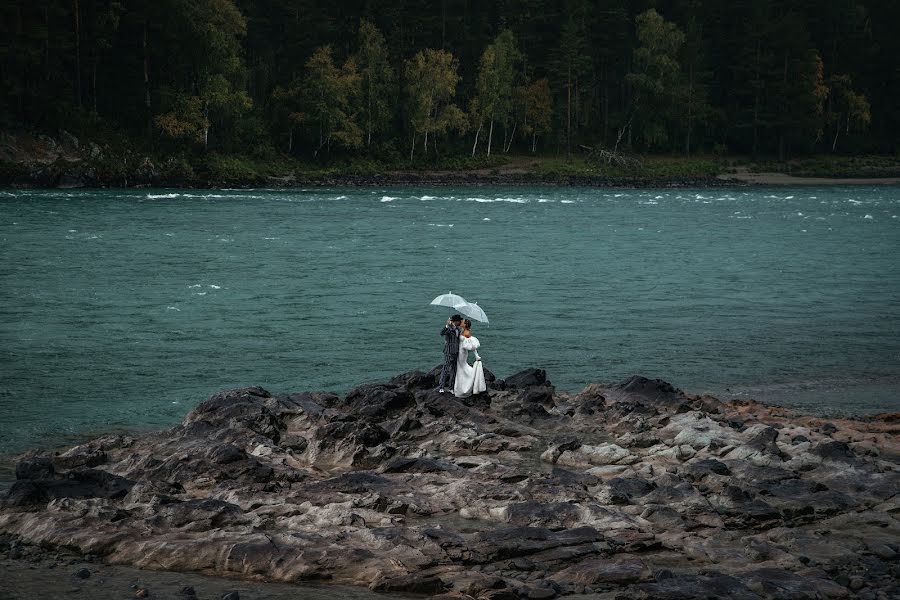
(469, 378)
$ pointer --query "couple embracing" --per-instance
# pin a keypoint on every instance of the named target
(457, 374)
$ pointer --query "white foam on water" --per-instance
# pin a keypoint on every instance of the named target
(388, 198)
(73, 231)
(154, 196)
(170, 234)
(744, 217)
(173, 308)
(441, 224)
(542, 200)
(486, 219)
(513, 200)
(868, 217)
(813, 198)
(196, 285)
(788, 197)
(199, 293)
(340, 197)
(268, 238)
(216, 287)
(799, 214)
(423, 198)
(567, 202)
(852, 201)
(658, 197)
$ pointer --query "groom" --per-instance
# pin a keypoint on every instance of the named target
(451, 333)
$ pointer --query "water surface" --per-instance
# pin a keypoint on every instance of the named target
(123, 309)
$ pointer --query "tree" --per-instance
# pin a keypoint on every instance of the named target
(496, 83)
(327, 95)
(655, 77)
(209, 89)
(536, 107)
(569, 62)
(846, 108)
(431, 79)
(376, 80)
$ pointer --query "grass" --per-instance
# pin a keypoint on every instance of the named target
(833, 166)
(652, 167)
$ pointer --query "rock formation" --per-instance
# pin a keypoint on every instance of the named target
(635, 490)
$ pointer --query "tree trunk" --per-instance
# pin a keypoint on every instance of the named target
(490, 136)
(837, 131)
(475, 145)
(690, 108)
(290, 140)
(94, 85)
(756, 103)
(147, 81)
(78, 52)
(569, 113)
(511, 136)
(369, 138)
(533, 143)
(425, 145)
(413, 148)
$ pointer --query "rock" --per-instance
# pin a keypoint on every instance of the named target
(231, 596)
(82, 573)
(527, 378)
(633, 490)
(619, 571)
(141, 593)
(38, 467)
(188, 591)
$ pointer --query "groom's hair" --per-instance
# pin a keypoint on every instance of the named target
(456, 318)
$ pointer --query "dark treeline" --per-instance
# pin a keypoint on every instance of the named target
(416, 78)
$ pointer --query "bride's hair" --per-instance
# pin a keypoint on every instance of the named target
(467, 324)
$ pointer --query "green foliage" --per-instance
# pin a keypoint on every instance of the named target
(759, 77)
(656, 78)
(431, 78)
(376, 81)
(327, 95)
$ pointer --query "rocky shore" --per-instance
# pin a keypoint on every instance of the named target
(633, 490)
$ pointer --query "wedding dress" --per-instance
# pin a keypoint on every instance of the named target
(469, 378)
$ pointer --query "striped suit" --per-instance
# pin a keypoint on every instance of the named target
(451, 353)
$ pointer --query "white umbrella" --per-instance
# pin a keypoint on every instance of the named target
(471, 310)
(450, 300)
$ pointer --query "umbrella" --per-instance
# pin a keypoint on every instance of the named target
(471, 310)
(450, 300)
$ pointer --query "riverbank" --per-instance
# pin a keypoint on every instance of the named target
(64, 161)
(634, 489)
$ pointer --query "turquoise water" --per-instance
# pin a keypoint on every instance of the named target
(123, 309)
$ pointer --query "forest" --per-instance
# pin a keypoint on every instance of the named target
(416, 79)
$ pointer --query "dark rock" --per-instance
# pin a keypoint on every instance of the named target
(231, 596)
(82, 573)
(654, 391)
(616, 571)
(527, 378)
(834, 451)
(188, 591)
(37, 467)
(829, 428)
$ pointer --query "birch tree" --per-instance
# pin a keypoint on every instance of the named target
(431, 79)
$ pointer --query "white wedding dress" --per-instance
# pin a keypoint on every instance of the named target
(469, 378)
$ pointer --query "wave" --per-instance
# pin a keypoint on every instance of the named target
(155, 196)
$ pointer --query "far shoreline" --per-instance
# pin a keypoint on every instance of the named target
(463, 179)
